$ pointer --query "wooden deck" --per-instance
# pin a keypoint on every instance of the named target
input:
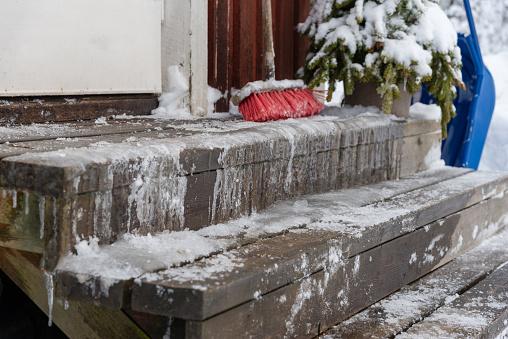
(281, 229)
(95, 168)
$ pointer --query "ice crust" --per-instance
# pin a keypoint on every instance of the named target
(414, 302)
(137, 256)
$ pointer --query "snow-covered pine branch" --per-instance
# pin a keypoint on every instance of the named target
(385, 41)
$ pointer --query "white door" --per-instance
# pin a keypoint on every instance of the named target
(51, 47)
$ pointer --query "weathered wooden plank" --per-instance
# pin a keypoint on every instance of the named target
(414, 126)
(481, 312)
(399, 311)
(152, 127)
(20, 221)
(270, 142)
(345, 286)
(75, 319)
(278, 261)
(283, 13)
(219, 51)
(302, 8)
(156, 326)
(199, 200)
(420, 152)
(356, 197)
(125, 176)
(24, 110)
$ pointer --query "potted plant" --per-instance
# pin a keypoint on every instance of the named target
(394, 44)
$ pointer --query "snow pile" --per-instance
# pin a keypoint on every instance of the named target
(171, 104)
(213, 95)
(495, 151)
(135, 255)
(425, 112)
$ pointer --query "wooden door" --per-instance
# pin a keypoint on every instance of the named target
(235, 45)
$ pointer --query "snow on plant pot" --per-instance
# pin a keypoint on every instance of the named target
(393, 43)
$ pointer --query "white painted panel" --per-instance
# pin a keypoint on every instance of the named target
(80, 46)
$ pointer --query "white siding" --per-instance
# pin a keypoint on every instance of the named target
(50, 47)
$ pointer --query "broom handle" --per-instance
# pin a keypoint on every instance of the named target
(266, 7)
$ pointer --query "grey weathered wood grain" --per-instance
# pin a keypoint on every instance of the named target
(401, 310)
(254, 167)
(23, 110)
(345, 199)
(481, 312)
(346, 286)
(414, 146)
(313, 247)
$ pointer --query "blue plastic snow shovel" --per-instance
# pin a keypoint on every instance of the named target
(475, 105)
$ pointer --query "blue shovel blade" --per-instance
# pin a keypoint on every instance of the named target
(475, 106)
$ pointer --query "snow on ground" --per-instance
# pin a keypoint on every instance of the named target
(490, 19)
(495, 152)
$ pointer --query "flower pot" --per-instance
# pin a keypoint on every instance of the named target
(365, 94)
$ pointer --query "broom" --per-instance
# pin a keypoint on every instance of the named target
(271, 99)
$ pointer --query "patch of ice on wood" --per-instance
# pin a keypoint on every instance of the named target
(504, 333)
(257, 295)
(48, 277)
(413, 258)
(304, 293)
(433, 158)
(42, 210)
(209, 268)
(14, 195)
(475, 232)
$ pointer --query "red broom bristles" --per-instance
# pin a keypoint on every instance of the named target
(284, 104)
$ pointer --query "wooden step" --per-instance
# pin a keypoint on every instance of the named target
(466, 298)
(305, 265)
(105, 179)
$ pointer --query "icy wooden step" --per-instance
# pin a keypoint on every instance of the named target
(481, 312)
(189, 175)
(276, 220)
(338, 248)
(413, 303)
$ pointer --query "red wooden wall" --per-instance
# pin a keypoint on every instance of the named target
(235, 42)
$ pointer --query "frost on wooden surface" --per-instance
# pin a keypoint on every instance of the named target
(478, 312)
(255, 165)
(134, 255)
(399, 311)
(196, 172)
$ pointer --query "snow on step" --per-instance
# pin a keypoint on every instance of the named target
(399, 311)
(304, 220)
(482, 312)
(343, 287)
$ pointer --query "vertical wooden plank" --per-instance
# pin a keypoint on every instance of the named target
(260, 61)
(75, 319)
(302, 8)
(283, 27)
(198, 82)
(219, 13)
(245, 42)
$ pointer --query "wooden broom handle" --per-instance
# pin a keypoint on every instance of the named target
(266, 7)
